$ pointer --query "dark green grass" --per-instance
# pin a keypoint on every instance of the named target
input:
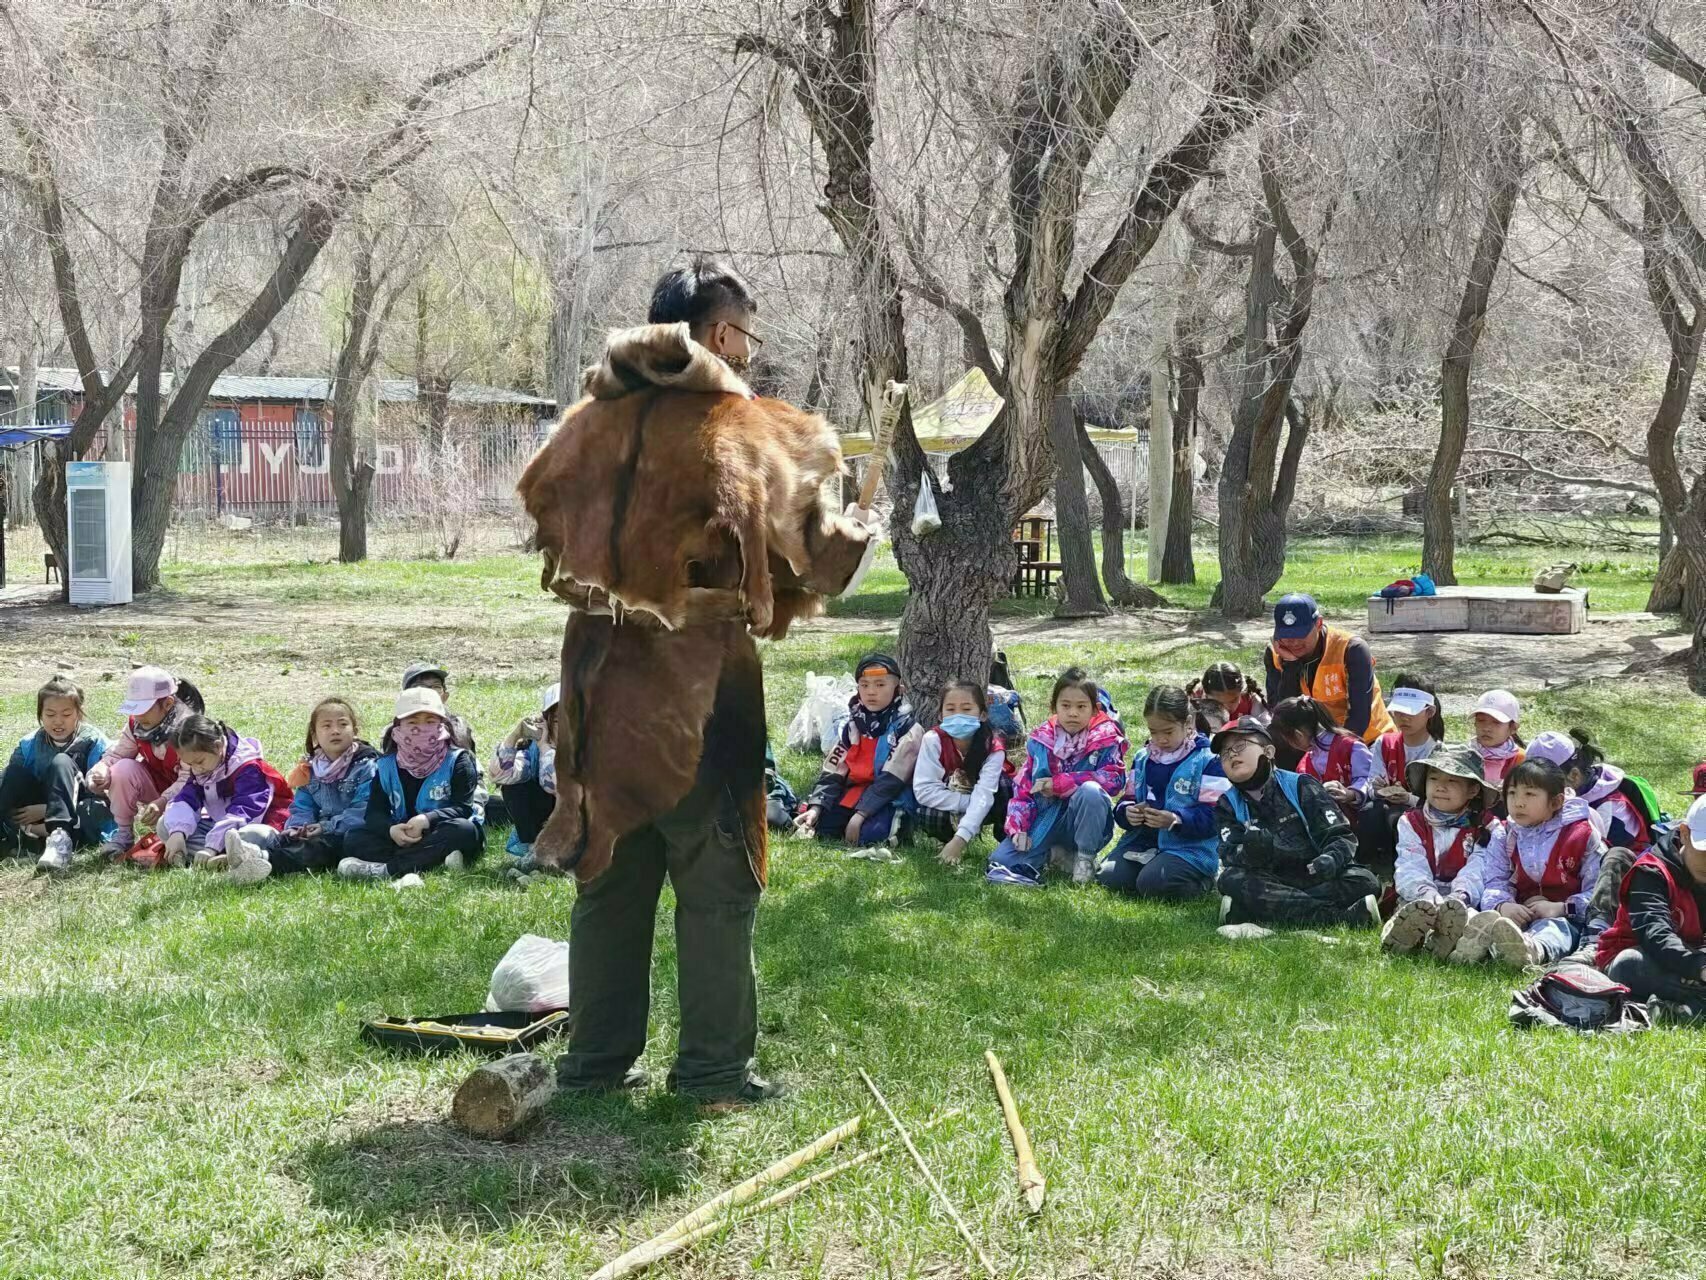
(184, 1093)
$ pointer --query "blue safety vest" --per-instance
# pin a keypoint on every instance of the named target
(435, 787)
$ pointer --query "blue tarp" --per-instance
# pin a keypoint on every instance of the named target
(13, 437)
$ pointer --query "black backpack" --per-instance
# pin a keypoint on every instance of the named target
(1578, 997)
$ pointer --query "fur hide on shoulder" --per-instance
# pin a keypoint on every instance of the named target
(677, 512)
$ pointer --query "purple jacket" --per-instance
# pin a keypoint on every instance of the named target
(234, 795)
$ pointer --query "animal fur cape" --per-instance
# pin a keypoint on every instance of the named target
(677, 512)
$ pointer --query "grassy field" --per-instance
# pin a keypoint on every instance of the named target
(184, 1093)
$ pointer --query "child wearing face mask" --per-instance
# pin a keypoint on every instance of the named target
(226, 786)
(1287, 853)
(1167, 807)
(421, 810)
(1539, 874)
(1074, 766)
(42, 794)
(961, 781)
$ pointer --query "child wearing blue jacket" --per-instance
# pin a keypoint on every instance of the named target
(332, 781)
(42, 793)
(1167, 807)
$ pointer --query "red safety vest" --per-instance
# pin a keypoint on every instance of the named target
(1392, 758)
(1456, 857)
(1684, 914)
(1562, 878)
(1338, 761)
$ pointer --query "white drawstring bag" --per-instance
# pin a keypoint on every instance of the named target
(532, 977)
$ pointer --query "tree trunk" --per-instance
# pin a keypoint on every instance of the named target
(1666, 595)
(20, 463)
(1121, 589)
(1439, 536)
(1178, 560)
(1083, 591)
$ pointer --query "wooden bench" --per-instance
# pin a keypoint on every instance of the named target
(1519, 611)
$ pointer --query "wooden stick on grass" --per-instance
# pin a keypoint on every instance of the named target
(936, 1187)
(668, 1246)
(642, 1256)
(1031, 1183)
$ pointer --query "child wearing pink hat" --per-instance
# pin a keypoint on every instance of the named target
(140, 773)
(1497, 718)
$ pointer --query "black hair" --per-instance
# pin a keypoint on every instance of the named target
(1076, 678)
(1306, 716)
(200, 733)
(1542, 775)
(58, 687)
(700, 293)
(1436, 721)
(1589, 754)
(1170, 702)
(321, 705)
(1225, 677)
(190, 696)
(1000, 673)
(983, 741)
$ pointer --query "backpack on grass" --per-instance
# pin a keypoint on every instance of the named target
(1578, 997)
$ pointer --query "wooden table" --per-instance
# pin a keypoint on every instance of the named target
(1033, 544)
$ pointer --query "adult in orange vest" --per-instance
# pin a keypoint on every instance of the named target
(1310, 659)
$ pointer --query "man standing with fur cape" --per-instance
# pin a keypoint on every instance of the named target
(678, 514)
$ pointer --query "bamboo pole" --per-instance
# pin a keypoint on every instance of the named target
(669, 1246)
(1031, 1184)
(935, 1186)
(643, 1255)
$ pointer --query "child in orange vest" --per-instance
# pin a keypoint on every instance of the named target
(1497, 717)
(1539, 873)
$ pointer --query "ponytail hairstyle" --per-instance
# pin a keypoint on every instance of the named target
(1542, 775)
(200, 733)
(1436, 722)
(1307, 717)
(321, 705)
(1225, 677)
(1170, 702)
(1589, 755)
(190, 696)
(59, 687)
(983, 741)
(1079, 679)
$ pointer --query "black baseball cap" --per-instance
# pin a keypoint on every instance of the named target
(1243, 727)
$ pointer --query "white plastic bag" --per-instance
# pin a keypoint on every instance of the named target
(532, 977)
(822, 712)
(925, 517)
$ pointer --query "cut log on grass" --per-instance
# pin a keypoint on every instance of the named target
(1031, 1183)
(659, 1246)
(669, 1246)
(502, 1096)
(930, 1178)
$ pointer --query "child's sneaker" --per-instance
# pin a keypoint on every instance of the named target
(176, 860)
(56, 858)
(356, 869)
(245, 863)
(116, 845)
(456, 862)
(1364, 914)
(1451, 917)
(1408, 928)
(1083, 868)
(1226, 910)
(1472, 947)
(208, 860)
(1509, 945)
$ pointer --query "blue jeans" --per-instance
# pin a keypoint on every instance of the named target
(1557, 938)
(1085, 826)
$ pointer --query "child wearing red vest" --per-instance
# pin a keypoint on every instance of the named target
(139, 773)
(1420, 733)
(1656, 945)
(1497, 718)
(1225, 694)
(1439, 866)
(1539, 874)
(1333, 756)
(961, 782)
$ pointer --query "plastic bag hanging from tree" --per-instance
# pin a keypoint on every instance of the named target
(925, 517)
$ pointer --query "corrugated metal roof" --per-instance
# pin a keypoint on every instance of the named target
(294, 390)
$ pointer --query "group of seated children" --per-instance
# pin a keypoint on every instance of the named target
(1520, 854)
(198, 793)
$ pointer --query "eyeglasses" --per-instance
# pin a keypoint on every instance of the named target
(751, 337)
(1238, 746)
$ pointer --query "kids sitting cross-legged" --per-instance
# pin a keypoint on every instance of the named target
(1074, 766)
(41, 792)
(864, 793)
(525, 771)
(1287, 854)
(331, 782)
(226, 787)
(139, 773)
(420, 809)
(961, 782)
(1656, 945)
(1438, 872)
(1167, 807)
(1538, 873)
